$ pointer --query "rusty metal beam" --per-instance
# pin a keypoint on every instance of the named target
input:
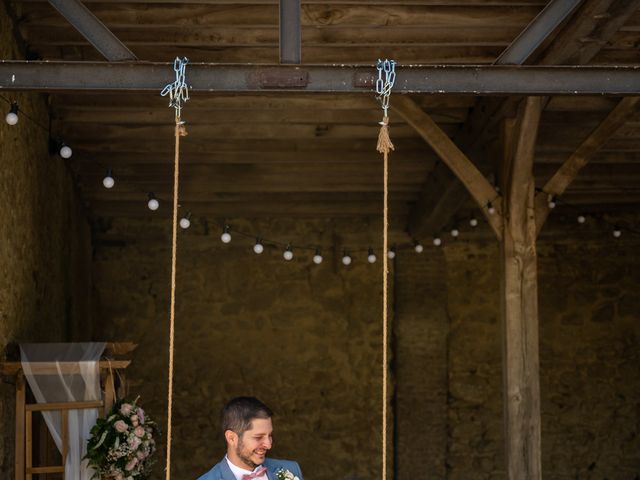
(455, 80)
(533, 36)
(290, 50)
(91, 28)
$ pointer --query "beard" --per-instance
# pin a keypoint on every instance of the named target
(244, 457)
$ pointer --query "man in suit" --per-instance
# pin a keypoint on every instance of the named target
(247, 427)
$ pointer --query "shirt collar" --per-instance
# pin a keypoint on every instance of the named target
(238, 472)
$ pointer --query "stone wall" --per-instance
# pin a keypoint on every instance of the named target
(45, 242)
(589, 360)
(306, 339)
(421, 345)
(303, 338)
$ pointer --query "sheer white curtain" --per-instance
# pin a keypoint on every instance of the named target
(66, 372)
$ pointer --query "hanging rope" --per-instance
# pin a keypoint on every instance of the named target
(384, 84)
(178, 93)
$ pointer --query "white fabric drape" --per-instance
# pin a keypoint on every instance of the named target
(66, 372)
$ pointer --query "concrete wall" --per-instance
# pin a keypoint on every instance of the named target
(45, 244)
(306, 339)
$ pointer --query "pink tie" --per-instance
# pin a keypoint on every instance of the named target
(257, 474)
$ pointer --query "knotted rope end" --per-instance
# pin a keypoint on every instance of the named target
(384, 141)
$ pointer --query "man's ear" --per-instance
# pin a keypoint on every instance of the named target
(231, 437)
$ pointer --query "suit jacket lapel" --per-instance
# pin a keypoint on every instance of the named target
(225, 471)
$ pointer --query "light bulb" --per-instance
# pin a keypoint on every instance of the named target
(153, 203)
(226, 236)
(473, 222)
(108, 181)
(551, 201)
(418, 247)
(317, 258)
(12, 116)
(258, 247)
(391, 254)
(491, 209)
(346, 259)
(437, 241)
(371, 258)
(65, 151)
(617, 232)
(455, 232)
(288, 253)
(582, 219)
(185, 222)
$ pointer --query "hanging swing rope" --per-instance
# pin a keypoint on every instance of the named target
(384, 84)
(178, 92)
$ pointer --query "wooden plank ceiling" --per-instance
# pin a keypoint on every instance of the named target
(308, 155)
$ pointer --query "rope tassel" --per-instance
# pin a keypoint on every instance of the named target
(384, 141)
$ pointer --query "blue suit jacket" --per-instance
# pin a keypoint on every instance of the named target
(222, 471)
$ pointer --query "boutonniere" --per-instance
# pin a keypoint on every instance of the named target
(283, 474)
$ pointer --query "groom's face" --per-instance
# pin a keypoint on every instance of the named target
(252, 446)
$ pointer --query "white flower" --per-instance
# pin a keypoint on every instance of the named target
(283, 474)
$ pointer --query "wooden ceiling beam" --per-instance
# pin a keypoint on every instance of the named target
(582, 39)
(327, 36)
(304, 116)
(249, 102)
(352, 14)
(473, 180)
(452, 192)
(556, 186)
(95, 156)
(475, 134)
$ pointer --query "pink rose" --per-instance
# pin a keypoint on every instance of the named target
(126, 409)
(132, 464)
(141, 455)
(140, 413)
(134, 443)
(139, 431)
(120, 426)
(134, 420)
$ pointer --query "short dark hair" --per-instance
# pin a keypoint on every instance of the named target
(239, 412)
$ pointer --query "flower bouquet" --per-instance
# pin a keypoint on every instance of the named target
(122, 444)
(282, 474)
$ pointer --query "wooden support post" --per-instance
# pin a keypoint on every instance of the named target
(521, 383)
(20, 419)
(29, 444)
(109, 392)
(65, 436)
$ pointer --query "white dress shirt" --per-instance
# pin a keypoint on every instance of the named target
(240, 472)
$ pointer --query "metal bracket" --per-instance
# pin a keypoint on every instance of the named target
(278, 78)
